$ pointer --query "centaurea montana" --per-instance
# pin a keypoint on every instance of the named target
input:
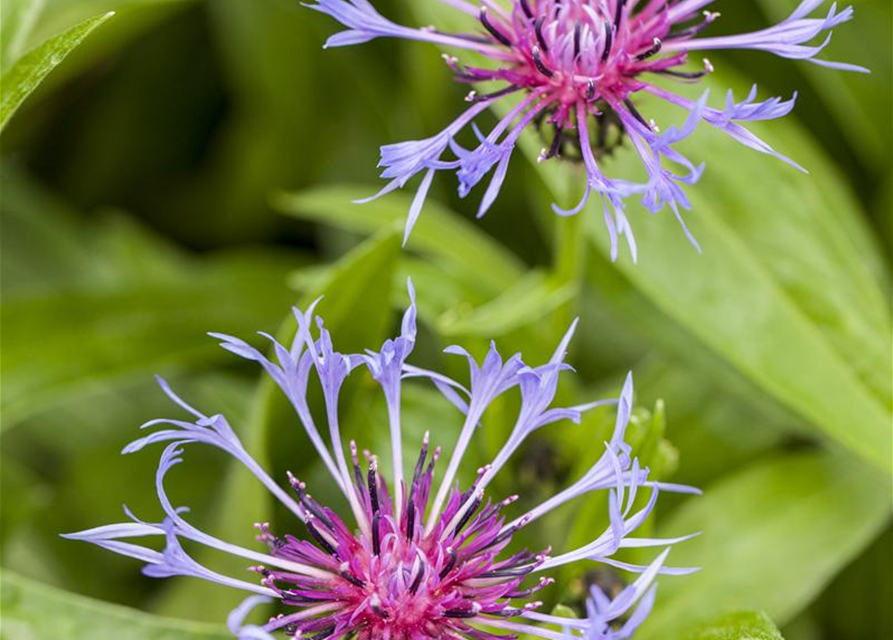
(422, 561)
(578, 64)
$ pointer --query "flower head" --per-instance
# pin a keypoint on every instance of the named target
(580, 66)
(417, 558)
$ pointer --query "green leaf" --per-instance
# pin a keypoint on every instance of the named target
(34, 611)
(786, 294)
(29, 71)
(772, 536)
(18, 20)
(439, 234)
(125, 335)
(740, 625)
(478, 289)
(49, 247)
(533, 296)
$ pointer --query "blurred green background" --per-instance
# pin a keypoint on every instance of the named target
(189, 167)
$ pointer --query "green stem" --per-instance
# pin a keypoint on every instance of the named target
(570, 250)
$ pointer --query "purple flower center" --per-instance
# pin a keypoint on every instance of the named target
(583, 57)
(397, 578)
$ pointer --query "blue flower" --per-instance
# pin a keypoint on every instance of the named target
(578, 65)
(419, 560)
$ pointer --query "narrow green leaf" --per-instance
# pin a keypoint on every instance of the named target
(28, 72)
(740, 625)
(772, 536)
(533, 296)
(34, 611)
(440, 233)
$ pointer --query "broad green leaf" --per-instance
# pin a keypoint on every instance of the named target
(791, 301)
(45, 245)
(439, 234)
(741, 625)
(28, 72)
(772, 536)
(59, 346)
(33, 611)
(788, 289)
(356, 287)
(788, 301)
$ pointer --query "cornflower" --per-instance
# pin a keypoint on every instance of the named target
(422, 559)
(574, 70)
